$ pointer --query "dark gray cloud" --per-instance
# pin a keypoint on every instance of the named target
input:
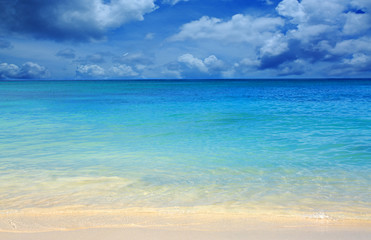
(77, 20)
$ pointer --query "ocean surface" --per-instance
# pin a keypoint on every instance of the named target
(299, 147)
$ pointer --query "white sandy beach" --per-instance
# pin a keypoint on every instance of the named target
(309, 233)
(133, 224)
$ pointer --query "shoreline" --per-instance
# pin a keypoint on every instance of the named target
(180, 219)
(169, 226)
(171, 234)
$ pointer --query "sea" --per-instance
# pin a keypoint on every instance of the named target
(297, 147)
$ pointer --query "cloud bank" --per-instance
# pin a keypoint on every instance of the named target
(336, 33)
(99, 72)
(309, 38)
(29, 70)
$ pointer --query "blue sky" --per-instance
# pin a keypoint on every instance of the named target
(171, 39)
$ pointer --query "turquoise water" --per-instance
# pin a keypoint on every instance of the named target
(290, 145)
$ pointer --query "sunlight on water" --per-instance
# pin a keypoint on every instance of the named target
(292, 145)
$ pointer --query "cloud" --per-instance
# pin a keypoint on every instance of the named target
(296, 67)
(275, 45)
(261, 34)
(318, 31)
(359, 59)
(292, 9)
(173, 2)
(149, 36)
(332, 33)
(28, 70)
(133, 59)
(268, 2)
(126, 65)
(292, 37)
(95, 58)
(331, 19)
(5, 44)
(209, 65)
(76, 20)
(356, 23)
(240, 28)
(68, 53)
(357, 63)
(93, 71)
(167, 73)
(213, 63)
(193, 62)
(350, 46)
(123, 71)
(312, 11)
(9, 71)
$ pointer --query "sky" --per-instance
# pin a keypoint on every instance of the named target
(184, 39)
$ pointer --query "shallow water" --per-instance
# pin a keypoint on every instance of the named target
(300, 146)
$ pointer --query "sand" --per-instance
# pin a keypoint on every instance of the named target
(45, 224)
(167, 234)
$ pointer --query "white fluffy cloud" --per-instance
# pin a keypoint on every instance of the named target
(208, 65)
(96, 71)
(356, 23)
(29, 70)
(9, 71)
(275, 45)
(351, 46)
(90, 71)
(193, 62)
(358, 59)
(240, 28)
(314, 18)
(337, 23)
(312, 11)
(292, 9)
(123, 71)
(111, 14)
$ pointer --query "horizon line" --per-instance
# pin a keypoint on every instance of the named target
(195, 79)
